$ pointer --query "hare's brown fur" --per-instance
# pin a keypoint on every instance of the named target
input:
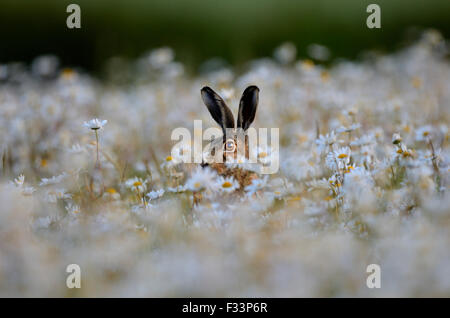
(244, 177)
(224, 117)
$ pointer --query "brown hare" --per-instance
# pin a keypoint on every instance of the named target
(233, 135)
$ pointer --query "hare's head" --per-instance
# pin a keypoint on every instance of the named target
(224, 117)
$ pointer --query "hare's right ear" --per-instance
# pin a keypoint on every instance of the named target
(218, 109)
(247, 107)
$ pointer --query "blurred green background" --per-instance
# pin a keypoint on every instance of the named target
(236, 30)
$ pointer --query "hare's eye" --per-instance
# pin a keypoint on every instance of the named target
(230, 145)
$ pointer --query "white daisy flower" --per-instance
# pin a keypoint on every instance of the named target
(202, 178)
(262, 154)
(95, 123)
(177, 189)
(348, 129)
(285, 53)
(136, 184)
(318, 184)
(227, 93)
(53, 195)
(339, 158)
(53, 180)
(19, 181)
(424, 133)
(256, 185)
(171, 161)
(76, 149)
(396, 138)
(324, 143)
(152, 195)
(161, 57)
(72, 208)
(28, 190)
(227, 184)
(403, 152)
(112, 194)
(43, 222)
(335, 181)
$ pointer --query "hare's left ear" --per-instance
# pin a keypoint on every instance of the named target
(217, 108)
(247, 107)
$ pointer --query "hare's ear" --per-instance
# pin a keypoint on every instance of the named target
(247, 107)
(218, 109)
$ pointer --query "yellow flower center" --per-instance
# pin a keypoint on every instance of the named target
(349, 168)
(137, 183)
(425, 133)
(44, 162)
(342, 156)
(263, 154)
(67, 73)
(197, 184)
(111, 190)
(169, 158)
(325, 76)
(308, 64)
(302, 138)
(416, 82)
(407, 154)
(227, 184)
(335, 183)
